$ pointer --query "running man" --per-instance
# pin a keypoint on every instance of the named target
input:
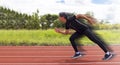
(72, 22)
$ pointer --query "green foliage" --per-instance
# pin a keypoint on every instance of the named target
(10, 19)
(58, 24)
(47, 21)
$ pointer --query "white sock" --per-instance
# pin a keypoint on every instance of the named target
(77, 52)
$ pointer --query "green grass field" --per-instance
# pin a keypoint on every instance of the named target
(50, 37)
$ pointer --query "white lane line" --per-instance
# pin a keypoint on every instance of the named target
(8, 51)
(61, 63)
(48, 56)
(56, 48)
(34, 56)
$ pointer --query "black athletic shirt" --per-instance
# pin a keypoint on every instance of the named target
(77, 25)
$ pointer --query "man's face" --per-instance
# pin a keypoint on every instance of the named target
(62, 19)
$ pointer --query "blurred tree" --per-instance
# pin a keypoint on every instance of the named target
(58, 24)
(47, 21)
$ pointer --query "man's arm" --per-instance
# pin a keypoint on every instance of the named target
(63, 31)
(85, 17)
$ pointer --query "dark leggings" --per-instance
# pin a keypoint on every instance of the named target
(92, 36)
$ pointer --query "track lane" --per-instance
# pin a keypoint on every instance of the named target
(54, 55)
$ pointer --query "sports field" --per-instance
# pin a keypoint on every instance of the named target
(38, 47)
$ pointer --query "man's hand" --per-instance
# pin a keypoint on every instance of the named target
(62, 31)
(57, 30)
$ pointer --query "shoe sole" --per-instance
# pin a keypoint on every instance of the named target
(110, 57)
(77, 57)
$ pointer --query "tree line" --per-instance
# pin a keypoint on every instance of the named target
(10, 19)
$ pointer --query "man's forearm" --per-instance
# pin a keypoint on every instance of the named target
(64, 32)
(85, 17)
(90, 21)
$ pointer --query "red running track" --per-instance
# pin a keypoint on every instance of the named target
(54, 55)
